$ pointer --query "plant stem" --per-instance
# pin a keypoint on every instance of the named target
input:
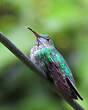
(24, 58)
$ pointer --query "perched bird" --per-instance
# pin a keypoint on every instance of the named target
(49, 60)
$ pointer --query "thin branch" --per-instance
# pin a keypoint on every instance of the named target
(24, 58)
(7, 43)
(76, 106)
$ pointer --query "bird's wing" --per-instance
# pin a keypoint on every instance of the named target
(62, 82)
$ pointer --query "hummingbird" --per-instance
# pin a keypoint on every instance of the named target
(53, 66)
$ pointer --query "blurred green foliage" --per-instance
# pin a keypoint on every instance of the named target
(66, 21)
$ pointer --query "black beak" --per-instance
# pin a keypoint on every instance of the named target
(35, 33)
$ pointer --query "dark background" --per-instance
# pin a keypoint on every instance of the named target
(66, 21)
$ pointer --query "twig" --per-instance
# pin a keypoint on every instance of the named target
(24, 58)
(76, 106)
(28, 63)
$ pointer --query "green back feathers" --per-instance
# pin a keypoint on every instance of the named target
(53, 55)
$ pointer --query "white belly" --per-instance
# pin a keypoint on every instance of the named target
(34, 52)
(35, 59)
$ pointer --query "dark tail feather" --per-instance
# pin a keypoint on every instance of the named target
(72, 86)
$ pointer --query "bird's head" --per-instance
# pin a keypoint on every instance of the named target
(42, 39)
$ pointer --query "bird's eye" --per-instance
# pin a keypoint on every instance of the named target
(48, 39)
